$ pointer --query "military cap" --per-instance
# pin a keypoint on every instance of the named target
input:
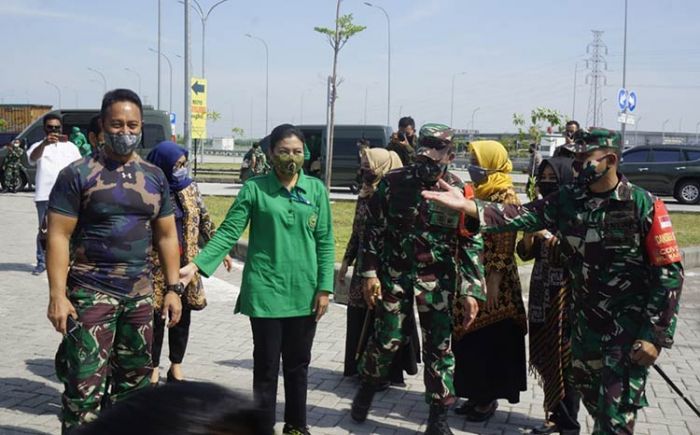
(595, 138)
(433, 135)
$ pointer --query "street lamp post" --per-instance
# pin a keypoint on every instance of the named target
(203, 17)
(170, 68)
(267, 76)
(663, 131)
(473, 114)
(697, 125)
(104, 79)
(137, 75)
(388, 80)
(452, 104)
(623, 127)
(57, 90)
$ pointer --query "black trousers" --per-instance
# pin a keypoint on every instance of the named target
(177, 337)
(292, 338)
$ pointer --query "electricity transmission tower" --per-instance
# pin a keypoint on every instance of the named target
(596, 64)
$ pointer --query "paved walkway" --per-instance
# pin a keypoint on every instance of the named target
(221, 351)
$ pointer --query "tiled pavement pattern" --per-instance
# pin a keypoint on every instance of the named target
(221, 351)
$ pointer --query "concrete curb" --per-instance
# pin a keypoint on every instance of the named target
(691, 259)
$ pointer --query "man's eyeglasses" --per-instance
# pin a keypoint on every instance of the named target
(53, 128)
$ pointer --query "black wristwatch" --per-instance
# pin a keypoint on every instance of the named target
(178, 289)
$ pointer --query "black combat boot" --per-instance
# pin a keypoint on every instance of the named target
(362, 402)
(437, 420)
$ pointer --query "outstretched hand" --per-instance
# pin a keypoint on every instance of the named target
(450, 197)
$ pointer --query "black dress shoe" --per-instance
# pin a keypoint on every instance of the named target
(546, 428)
(477, 416)
(465, 408)
(170, 378)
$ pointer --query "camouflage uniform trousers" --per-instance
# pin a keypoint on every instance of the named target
(11, 174)
(611, 385)
(114, 340)
(434, 312)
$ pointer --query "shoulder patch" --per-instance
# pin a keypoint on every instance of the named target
(661, 245)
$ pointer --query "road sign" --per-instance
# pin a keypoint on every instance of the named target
(173, 120)
(632, 101)
(626, 118)
(622, 98)
(199, 108)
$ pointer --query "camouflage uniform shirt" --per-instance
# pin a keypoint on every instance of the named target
(411, 241)
(115, 205)
(603, 238)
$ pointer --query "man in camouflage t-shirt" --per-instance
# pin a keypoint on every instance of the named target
(105, 214)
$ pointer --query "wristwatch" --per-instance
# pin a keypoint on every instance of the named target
(178, 289)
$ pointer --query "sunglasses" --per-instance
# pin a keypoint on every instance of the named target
(53, 128)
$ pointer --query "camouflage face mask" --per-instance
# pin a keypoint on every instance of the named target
(122, 144)
(286, 164)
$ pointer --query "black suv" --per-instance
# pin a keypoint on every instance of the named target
(670, 170)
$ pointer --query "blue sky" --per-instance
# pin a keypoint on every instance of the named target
(516, 55)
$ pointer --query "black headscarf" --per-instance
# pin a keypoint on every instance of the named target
(561, 167)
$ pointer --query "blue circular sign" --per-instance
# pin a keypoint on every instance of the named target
(622, 98)
(632, 101)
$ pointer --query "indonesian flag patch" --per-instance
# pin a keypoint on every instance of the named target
(661, 244)
(469, 194)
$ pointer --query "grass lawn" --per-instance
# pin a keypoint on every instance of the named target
(343, 214)
(685, 225)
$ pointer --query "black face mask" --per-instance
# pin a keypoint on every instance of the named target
(547, 187)
(368, 176)
(428, 170)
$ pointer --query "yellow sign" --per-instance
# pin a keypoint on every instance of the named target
(199, 108)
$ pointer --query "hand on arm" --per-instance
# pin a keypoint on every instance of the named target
(60, 229)
(165, 236)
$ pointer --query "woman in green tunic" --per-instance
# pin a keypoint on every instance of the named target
(288, 273)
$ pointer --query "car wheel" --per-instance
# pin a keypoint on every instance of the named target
(688, 192)
(354, 188)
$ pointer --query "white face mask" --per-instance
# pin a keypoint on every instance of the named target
(180, 174)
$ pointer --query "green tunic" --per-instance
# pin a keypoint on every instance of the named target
(290, 249)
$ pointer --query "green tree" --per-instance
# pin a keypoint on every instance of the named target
(536, 130)
(337, 38)
(213, 116)
(237, 132)
(3, 125)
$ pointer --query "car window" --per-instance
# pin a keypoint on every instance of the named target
(664, 156)
(635, 156)
(692, 155)
(153, 134)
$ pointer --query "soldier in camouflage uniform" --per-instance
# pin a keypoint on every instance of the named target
(625, 274)
(413, 249)
(105, 214)
(254, 163)
(12, 166)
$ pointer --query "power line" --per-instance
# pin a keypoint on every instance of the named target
(597, 64)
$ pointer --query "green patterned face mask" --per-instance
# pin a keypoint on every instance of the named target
(287, 164)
